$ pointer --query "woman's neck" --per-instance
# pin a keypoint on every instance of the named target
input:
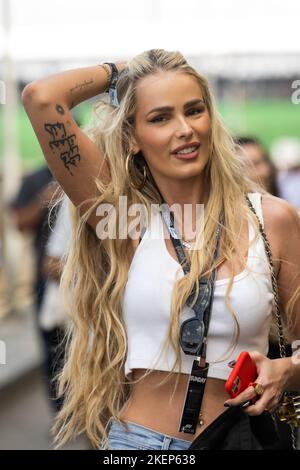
(187, 201)
(192, 191)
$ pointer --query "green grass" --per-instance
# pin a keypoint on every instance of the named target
(266, 120)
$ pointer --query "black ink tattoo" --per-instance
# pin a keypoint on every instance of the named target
(66, 144)
(80, 86)
(59, 109)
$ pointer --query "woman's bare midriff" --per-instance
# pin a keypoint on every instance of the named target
(152, 405)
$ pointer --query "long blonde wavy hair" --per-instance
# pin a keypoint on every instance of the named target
(92, 382)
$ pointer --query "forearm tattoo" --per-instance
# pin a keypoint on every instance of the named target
(63, 143)
(59, 109)
(80, 86)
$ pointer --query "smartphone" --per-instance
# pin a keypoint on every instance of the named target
(243, 373)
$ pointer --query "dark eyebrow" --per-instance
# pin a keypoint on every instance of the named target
(170, 108)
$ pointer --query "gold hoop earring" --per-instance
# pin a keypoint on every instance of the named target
(132, 183)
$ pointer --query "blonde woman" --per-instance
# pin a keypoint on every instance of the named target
(159, 139)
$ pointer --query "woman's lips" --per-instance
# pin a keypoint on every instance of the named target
(186, 156)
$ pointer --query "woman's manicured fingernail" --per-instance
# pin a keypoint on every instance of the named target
(231, 364)
(246, 404)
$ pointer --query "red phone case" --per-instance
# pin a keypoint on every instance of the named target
(243, 373)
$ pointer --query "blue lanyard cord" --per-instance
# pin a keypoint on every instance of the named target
(169, 222)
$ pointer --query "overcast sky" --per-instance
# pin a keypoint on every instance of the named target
(121, 28)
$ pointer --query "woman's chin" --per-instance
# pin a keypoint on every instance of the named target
(187, 171)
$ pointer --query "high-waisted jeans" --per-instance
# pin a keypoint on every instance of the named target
(139, 438)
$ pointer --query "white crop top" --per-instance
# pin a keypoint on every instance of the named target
(147, 306)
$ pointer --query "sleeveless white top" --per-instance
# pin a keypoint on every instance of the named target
(147, 306)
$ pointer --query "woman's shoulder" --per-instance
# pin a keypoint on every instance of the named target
(281, 221)
(278, 212)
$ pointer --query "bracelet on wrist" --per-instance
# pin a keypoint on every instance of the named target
(113, 84)
(108, 71)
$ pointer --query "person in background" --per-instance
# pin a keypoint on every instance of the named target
(259, 165)
(286, 156)
(263, 171)
(4, 303)
(31, 212)
(53, 318)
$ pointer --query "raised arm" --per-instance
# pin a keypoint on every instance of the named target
(72, 157)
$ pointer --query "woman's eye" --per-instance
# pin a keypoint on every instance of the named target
(191, 111)
(158, 119)
(198, 110)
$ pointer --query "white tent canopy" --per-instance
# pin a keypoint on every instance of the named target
(122, 28)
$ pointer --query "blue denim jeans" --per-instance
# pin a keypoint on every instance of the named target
(139, 438)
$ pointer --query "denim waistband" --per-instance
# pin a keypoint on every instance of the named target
(139, 437)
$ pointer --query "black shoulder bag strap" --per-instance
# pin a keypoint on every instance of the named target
(289, 410)
(191, 415)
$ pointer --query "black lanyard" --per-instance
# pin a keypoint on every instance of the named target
(198, 375)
